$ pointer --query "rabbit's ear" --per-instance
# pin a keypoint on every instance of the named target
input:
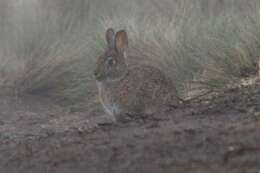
(110, 37)
(121, 41)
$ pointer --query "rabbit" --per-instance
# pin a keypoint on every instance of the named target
(130, 90)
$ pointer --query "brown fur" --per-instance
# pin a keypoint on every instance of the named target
(130, 90)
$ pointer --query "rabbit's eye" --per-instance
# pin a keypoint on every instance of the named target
(110, 61)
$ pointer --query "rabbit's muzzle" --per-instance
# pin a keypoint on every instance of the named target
(97, 76)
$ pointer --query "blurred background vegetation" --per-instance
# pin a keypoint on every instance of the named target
(49, 47)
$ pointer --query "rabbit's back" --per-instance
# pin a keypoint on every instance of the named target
(154, 87)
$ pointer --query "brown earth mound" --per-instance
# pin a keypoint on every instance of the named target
(219, 133)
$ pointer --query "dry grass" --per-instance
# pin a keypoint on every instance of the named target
(49, 47)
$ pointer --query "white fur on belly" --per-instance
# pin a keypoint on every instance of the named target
(111, 108)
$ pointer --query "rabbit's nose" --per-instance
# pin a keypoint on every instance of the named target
(95, 73)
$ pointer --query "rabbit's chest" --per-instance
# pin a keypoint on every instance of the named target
(109, 101)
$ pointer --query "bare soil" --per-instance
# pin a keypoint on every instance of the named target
(219, 133)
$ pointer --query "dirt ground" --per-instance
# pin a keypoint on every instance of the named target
(219, 133)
